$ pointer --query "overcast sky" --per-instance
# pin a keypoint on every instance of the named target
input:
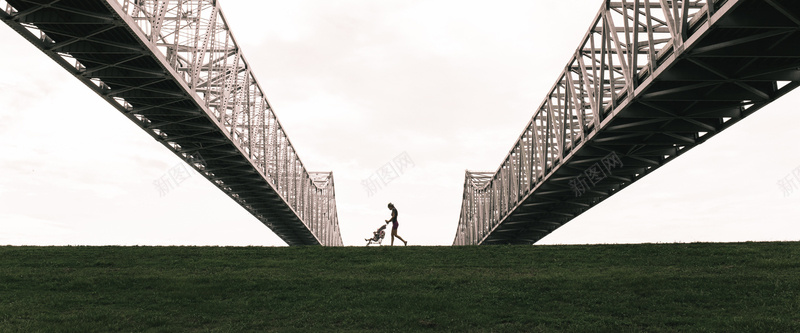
(355, 84)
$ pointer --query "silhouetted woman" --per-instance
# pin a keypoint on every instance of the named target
(394, 224)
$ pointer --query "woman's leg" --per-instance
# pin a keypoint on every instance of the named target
(394, 234)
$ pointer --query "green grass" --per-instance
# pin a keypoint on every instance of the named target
(738, 287)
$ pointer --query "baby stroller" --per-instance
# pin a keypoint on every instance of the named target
(377, 236)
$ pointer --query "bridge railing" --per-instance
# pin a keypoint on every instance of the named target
(626, 42)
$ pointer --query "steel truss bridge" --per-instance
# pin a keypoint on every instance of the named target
(173, 67)
(650, 80)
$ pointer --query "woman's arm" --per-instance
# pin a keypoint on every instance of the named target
(394, 217)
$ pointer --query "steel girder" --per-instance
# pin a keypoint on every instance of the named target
(174, 68)
(650, 80)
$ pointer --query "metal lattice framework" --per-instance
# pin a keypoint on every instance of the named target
(650, 80)
(174, 68)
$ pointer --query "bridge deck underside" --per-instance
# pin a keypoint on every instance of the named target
(94, 35)
(743, 61)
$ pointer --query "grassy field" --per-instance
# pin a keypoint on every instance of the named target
(616, 288)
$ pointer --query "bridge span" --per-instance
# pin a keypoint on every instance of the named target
(650, 80)
(173, 68)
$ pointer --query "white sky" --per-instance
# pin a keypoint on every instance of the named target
(356, 83)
